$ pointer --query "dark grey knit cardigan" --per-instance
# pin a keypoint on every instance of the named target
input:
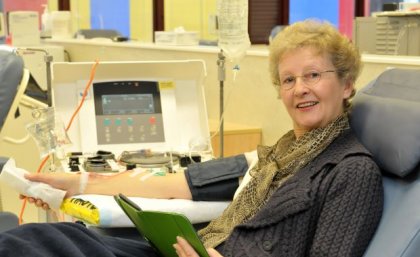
(329, 208)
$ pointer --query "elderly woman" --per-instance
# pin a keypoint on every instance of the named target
(316, 192)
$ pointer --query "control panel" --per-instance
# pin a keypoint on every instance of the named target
(128, 112)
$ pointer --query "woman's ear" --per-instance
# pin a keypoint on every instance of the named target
(349, 90)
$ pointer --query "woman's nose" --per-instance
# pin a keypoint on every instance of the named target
(300, 86)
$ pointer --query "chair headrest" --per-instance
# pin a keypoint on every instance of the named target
(386, 119)
(11, 71)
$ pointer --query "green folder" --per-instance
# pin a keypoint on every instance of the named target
(161, 228)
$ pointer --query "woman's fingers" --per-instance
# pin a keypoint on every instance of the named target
(38, 202)
(213, 253)
(184, 249)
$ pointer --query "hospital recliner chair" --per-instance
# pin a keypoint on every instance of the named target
(13, 79)
(386, 119)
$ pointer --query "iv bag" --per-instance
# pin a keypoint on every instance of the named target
(48, 131)
(232, 21)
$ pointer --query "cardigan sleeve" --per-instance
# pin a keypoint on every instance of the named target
(351, 211)
(216, 180)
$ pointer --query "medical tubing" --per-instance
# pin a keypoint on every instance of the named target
(91, 77)
(44, 161)
(226, 104)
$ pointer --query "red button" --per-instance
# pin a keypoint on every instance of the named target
(152, 120)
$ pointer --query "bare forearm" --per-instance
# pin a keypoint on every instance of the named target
(172, 185)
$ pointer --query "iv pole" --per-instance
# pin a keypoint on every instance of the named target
(48, 58)
(221, 77)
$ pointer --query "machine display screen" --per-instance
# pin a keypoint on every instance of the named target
(127, 104)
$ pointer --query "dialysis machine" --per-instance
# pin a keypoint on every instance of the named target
(149, 114)
(149, 117)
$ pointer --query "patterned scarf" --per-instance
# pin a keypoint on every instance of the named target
(275, 165)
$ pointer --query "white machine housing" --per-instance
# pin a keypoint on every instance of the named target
(183, 107)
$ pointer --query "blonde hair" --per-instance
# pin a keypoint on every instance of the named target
(323, 37)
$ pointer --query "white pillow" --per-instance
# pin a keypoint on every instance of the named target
(111, 215)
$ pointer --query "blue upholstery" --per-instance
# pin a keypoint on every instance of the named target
(8, 221)
(11, 72)
(386, 119)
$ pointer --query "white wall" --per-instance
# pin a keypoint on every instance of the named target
(250, 99)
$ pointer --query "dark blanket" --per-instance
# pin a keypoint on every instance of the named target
(67, 240)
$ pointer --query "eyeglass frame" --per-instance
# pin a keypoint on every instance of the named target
(305, 79)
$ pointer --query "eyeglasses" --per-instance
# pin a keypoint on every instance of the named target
(310, 78)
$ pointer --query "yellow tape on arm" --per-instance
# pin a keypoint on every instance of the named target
(81, 209)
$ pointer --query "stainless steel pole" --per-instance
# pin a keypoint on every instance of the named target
(221, 76)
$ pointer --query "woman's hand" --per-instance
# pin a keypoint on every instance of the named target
(184, 249)
(65, 181)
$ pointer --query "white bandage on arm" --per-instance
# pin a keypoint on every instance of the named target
(83, 180)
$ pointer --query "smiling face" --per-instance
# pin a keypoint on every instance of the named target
(311, 106)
